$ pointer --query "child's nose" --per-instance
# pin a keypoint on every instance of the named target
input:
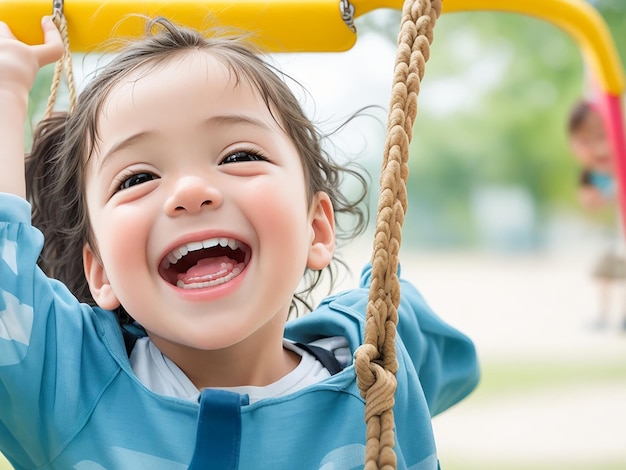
(191, 194)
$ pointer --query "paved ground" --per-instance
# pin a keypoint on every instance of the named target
(528, 312)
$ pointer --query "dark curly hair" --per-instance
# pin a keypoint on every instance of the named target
(64, 142)
(578, 114)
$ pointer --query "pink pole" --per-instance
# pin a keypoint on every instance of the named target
(611, 109)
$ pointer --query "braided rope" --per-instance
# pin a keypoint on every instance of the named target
(62, 65)
(375, 361)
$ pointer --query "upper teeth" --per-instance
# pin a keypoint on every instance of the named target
(177, 253)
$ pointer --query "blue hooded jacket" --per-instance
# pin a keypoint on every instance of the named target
(70, 400)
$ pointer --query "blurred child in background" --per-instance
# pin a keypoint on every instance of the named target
(597, 191)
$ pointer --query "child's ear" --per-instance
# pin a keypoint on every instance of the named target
(101, 290)
(322, 218)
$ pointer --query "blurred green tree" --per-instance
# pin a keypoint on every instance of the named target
(492, 113)
(614, 13)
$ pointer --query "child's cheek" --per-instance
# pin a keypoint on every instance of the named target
(279, 205)
(124, 232)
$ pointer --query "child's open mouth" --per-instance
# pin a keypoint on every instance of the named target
(208, 263)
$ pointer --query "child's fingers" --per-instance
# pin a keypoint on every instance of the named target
(5, 31)
(52, 48)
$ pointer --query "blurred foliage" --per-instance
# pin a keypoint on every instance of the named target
(37, 99)
(492, 111)
(614, 14)
(509, 129)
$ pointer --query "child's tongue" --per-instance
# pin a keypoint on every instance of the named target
(208, 269)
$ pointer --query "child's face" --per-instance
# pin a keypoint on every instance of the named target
(591, 146)
(186, 157)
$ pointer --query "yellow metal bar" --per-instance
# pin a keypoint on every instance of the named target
(281, 25)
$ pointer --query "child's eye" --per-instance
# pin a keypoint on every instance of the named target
(135, 179)
(243, 156)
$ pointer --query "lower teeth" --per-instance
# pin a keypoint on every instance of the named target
(212, 283)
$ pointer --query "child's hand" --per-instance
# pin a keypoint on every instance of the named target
(20, 62)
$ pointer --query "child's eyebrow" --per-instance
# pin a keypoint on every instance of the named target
(227, 119)
(122, 144)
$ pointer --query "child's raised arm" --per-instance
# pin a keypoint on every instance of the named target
(19, 64)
